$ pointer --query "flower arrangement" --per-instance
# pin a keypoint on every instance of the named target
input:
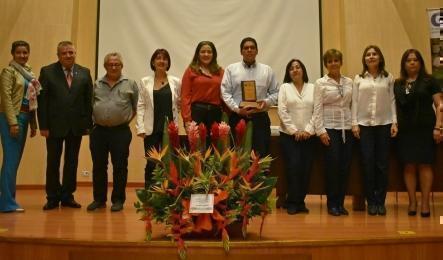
(235, 176)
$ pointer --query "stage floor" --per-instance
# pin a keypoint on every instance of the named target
(102, 226)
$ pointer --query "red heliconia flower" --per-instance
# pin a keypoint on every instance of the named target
(240, 130)
(173, 173)
(223, 130)
(203, 133)
(193, 136)
(254, 168)
(174, 139)
(214, 133)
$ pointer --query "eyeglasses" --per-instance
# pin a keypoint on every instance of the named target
(117, 65)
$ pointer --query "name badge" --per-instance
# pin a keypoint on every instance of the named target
(202, 203)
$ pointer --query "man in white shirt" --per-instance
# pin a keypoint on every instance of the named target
(266, 93)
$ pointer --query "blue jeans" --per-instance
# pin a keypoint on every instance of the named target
(338, 157)
(12, 154)
(298, 157)
(374, 147)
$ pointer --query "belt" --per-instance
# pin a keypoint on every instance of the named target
(113, 127)
(24, 108)
(205, 106)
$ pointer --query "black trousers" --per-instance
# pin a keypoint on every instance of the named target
(298, 157)
(374, 146)
(206, 114)
(337, 166)
(153, 140)
(261, 131)
(114, 141)
(55, 191)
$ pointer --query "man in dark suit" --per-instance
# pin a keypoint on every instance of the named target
(64, 116)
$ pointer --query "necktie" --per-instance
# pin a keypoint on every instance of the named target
(69, 77)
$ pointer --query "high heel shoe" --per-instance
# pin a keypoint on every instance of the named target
(412, 212)
(425, 214)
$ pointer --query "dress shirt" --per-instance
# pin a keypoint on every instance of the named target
(296, 109)
(114, 106)
(373, 100)
(332, 104)
(265, 82)
(198, 87)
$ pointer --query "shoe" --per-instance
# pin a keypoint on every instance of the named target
(117, 206)
(425, 214)
(412, 212)
(343, 211)
(303, 209)
(292, 210)
(372, 210)
(381, 210)
(71, 204)
(96, 205)
(334, 211)
(50, 205)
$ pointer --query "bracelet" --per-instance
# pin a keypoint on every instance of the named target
(439, 129)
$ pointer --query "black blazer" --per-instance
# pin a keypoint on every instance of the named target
(62, 108)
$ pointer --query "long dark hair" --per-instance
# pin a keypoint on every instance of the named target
(287, 77)
(422, 73)
(381, 64)
(213, 67)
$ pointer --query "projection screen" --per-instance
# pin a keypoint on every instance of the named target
(284, 29)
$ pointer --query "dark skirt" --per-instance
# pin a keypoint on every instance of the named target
(416, 145)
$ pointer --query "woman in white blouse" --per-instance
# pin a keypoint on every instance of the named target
(295, 109)
(374, 122)
(159, 98)
(332, 116)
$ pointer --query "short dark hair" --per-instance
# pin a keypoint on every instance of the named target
(287, 77)
(330, 54)
(20, 43)
(381, 64)
(157, 52)
(213, 67)
(421, 73)
(248, 39)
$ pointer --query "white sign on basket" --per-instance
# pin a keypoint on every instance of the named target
(202, 203)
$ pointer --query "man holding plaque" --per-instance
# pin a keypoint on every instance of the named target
(249, 88)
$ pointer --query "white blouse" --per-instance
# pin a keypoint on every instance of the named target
(332, 104)
(373, 100)
(296, 109)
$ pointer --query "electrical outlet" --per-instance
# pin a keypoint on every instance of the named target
(85, 173)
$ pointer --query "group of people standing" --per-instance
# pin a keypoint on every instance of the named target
(69, 105)
(373, 108)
